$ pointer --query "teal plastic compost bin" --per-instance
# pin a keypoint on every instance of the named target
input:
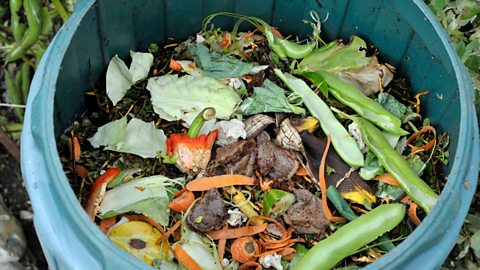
(405, 32)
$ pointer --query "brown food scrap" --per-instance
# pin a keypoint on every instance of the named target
(81, 171)
(74, 148)
(209, 213)
(347, 181)
(306, 215)
(237, 158)
(275, 162)
(254, 125)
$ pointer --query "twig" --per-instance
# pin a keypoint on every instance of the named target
(12, 105)
(10, 145)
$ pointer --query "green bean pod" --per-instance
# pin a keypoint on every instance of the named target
(25, 82)
(346, 147)
(13, 92)
(33, 11)
(397, 166)
(17, 27)
(347, 240)
(285, 48)
(359, 102)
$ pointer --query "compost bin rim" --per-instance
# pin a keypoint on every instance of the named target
(84, 224)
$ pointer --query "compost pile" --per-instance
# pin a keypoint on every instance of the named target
(254, 150)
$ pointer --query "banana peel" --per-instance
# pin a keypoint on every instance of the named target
(309, 124)
(347, 181)
(139, 239)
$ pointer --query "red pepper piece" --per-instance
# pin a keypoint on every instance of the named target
(98, 191)
(192, 154)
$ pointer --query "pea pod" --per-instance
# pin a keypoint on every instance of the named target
(343, 143)
(33, 11)
(397, 166)
(359, 102)
(347, 240)
(17, 27)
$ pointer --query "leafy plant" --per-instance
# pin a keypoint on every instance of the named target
(461, 21)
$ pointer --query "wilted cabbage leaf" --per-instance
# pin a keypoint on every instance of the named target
(220, 66)
(149, 196)
(137, 137)
(141, 63)
(350, 64)
(199, 248)
(173, 97)
(120, 78)
(270, 98)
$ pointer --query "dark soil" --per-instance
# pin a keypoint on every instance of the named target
(16, 199)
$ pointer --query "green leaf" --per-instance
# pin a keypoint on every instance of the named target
(137, 137)
(169, 96)
(220, 66)
(396, 108)
(300, 251)
(270, 98)
(339, 203)
(372, 167)
(335, 56)
(475, 244)
(416, 163)
(393, 192)
(152, 201)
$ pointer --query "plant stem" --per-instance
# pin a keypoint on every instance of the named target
(12, 105)
(61, 9)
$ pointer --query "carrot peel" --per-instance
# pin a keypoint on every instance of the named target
(388, 179)
(207, 183)
(412, 210)
(244, 249)
(323, 186)
(174, 65)
(182, 201)
(427, 146)
(237, 232)
(185, 259)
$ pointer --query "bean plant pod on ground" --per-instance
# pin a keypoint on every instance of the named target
(214, 152)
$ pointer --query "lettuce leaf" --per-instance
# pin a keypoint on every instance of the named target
(137, 137)
(173, 97)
